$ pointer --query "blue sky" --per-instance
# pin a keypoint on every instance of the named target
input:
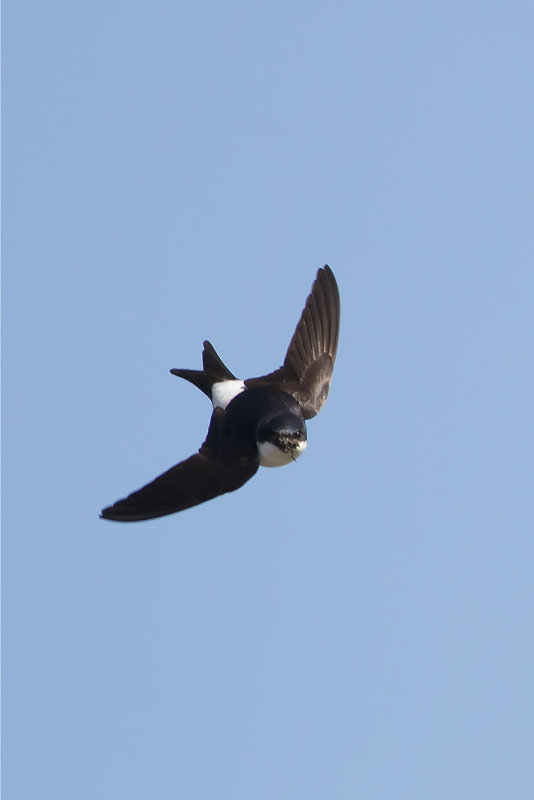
(358, 624)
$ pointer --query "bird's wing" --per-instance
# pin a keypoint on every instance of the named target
(210, 472)
(307, 369)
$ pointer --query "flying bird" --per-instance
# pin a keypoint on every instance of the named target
(255, 422)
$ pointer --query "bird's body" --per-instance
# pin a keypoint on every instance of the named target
(256, 422)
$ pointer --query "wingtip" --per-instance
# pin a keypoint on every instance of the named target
(325, 273)
(117, 517)
(326, 270)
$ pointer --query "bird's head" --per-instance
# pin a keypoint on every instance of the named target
(281, 438)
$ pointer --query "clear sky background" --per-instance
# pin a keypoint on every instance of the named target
(356, 625)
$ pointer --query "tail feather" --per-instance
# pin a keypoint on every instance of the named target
(214, 371)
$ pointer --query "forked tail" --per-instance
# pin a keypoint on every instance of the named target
(214, 371)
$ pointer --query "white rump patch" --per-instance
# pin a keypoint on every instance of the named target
(272, 456)
(224, 391)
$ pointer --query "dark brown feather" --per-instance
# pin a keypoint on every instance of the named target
(309, 363)
(213, 471)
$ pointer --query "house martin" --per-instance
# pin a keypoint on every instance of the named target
(255, 422)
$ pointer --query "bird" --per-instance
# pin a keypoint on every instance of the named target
(255, 422)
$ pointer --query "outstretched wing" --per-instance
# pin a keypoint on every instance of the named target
(309, 363)
(207, 474)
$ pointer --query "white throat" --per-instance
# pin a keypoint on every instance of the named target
(272, 456)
